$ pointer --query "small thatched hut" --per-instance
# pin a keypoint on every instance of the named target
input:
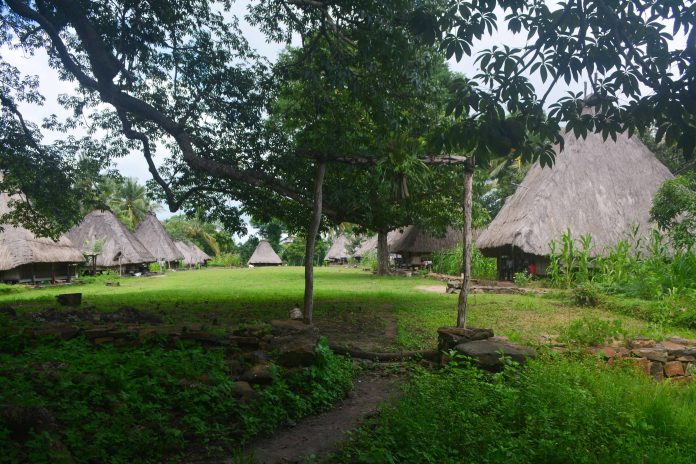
(416, 245)
(264, 255)
(120, 249)
(338, 252)
(152, 234)
(369, 245)
(596, 187)
(24, 257)
(193, 256)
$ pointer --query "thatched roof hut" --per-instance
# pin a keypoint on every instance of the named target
(120, 247)
(264, 255)
(338, 252)
(193, 255)
(596, 187)
(152, 234)
(26, 257)
(370, 243)
(416, 245)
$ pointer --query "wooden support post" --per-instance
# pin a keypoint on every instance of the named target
(466, 243)
(311, 241)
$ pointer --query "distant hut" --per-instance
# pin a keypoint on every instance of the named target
(338, 252)
(154, 237)
(24, 257)
(264, 255)
(193, 256)
(369, 245)
(596, 187)
(120, 250)
(416, 246)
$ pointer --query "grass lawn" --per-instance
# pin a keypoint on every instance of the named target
(352, 306)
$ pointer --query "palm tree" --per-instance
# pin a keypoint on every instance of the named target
(131, 203)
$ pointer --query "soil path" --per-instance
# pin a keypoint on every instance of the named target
(432, 288)
(318, 436)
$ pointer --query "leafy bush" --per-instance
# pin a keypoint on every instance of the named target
(591, 331)
(586, 294)
(550, 411)
(226, 260)
(450, 262)
(522, 278)
(149, 404)
(369, 260)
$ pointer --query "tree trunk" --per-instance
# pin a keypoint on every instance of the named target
(311, 241)
(382, 253)
(466, 245)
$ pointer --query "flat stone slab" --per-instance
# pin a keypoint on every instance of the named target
(489, 353)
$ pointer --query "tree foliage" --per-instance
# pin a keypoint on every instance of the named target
(178, 76)
(674, 209)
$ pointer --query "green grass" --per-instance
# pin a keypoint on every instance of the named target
(551, 411)
(351, 305)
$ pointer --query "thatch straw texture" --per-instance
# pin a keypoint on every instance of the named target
(265, 255)
(596, 187)
(370, 243)
(152, 234)
(192, 254)
(416, 240)
(120, 245)
(19, 246)
(338, 250)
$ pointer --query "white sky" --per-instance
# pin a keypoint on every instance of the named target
(134, 165)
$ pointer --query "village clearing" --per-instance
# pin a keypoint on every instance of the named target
(353, 307)
(177, 402)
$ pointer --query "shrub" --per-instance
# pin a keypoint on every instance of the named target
(550, 411)
(522, 278)
(591, 331)
(226, 260)
(586, 294)
(450, 262)
(369, 260)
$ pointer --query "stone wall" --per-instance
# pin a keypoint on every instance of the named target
(673, 359)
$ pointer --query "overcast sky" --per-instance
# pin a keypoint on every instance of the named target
(134, 165)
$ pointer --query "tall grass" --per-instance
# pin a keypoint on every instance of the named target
(226, 260)
(551, 411)
(450, 262)
(635, 268)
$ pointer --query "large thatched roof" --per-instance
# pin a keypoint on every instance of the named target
(119, 242)
(339, 249)
(416, 240)
(596, 187)
(264, 254)
(19, 246)
(151, 233)
(192, 254)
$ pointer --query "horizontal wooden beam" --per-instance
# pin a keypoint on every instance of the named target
(431, 160)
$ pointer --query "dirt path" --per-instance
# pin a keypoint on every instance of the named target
(432, 288)
(318, 436)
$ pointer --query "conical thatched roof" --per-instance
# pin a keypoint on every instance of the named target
(264, 254)
(19, 246)
(118, 241)
(192, 254)
(339, 249)
(201, 255)
(596, 187)
(152, 234)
